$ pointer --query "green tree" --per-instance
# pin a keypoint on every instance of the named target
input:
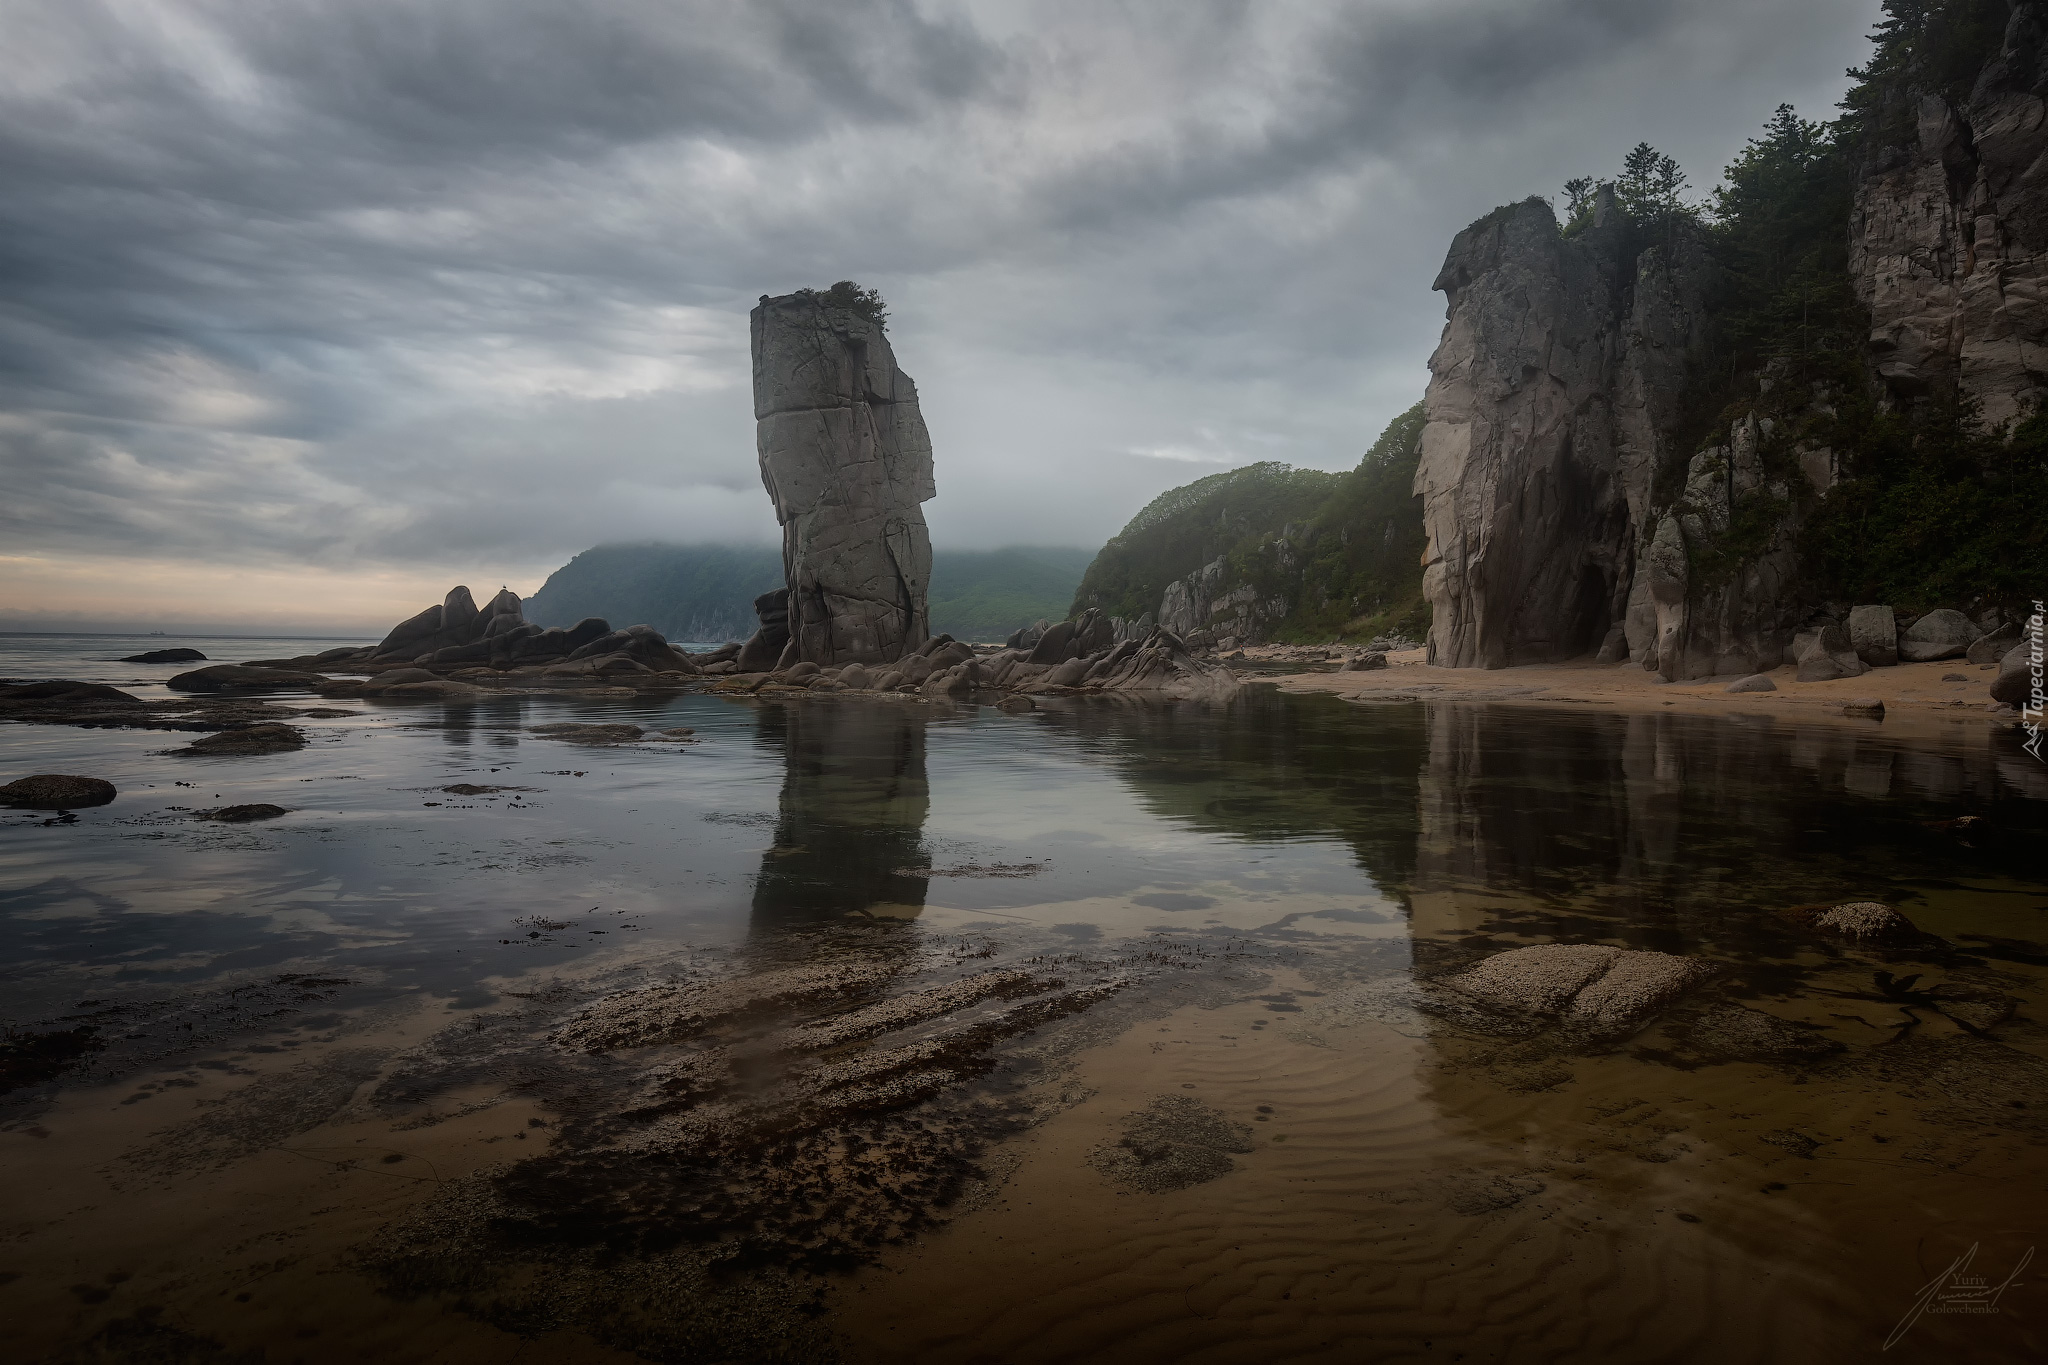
(1651, 185)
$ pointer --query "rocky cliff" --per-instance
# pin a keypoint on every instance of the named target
(1863, 315)
(846, 458)
(1949, 234)
(1551, 405)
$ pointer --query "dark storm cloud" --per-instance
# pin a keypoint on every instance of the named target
(432, 281)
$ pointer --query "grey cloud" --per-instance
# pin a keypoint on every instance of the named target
(406, 281)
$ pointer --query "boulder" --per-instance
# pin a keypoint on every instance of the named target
(1055, 645)
(1027, 637)
(764, 648)
(1067, 674)
(1827, 638)
(1819, 667)
(243, 678)
(166, 656)
(1755, 682)
(267, 738)
(1874, 635)
(1591, 987)
(2014, 684)
(56, 791)
(846, 458)
(1869, 707)
(1017, 704)
(242, 815)
(855, 677)
(1364, 663)
(1942, 634)
(1989, 649)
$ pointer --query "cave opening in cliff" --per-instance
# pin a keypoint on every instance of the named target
(1589, 617)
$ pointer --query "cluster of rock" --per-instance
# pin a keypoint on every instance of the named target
(454, 648)
(1070, 656)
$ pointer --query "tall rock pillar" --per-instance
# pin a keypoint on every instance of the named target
(846, 459)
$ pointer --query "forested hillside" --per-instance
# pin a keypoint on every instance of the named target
(1310, 554)
(706, 592)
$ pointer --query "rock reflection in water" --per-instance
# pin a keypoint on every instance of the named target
(849, 832)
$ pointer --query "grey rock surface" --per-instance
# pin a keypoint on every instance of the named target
(1948, 240)
(1755, 682)
(845, 456)
(2015, 681)
(1551, 396)
(1874, 635)
(1942, 634)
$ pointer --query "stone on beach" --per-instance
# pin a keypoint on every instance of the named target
(1874, 635)
(56, 791)
(1943, 634)
(1755, 682)
(2015, 681)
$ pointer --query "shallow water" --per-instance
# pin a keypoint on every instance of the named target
(1258, 884)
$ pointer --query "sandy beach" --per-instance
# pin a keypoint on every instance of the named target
(1919, 692)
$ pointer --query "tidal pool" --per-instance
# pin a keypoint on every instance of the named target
(871, 1029)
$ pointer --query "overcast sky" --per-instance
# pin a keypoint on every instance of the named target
(314, 307)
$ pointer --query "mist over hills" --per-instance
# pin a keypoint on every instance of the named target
(707, 592)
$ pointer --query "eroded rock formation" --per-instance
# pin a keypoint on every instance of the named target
(1552, 404)
(1948, 241)
(1549, 399)
(845, 456)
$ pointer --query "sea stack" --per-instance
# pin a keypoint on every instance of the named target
(845, 456)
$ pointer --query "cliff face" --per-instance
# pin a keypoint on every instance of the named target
(846, 458)
(1550, 401)
(1949, 235)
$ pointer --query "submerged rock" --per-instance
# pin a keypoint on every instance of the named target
(1174, 1142)
(242, 815)
(1592, 987)
(179, 655)
(56, 791)
(266, 738)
